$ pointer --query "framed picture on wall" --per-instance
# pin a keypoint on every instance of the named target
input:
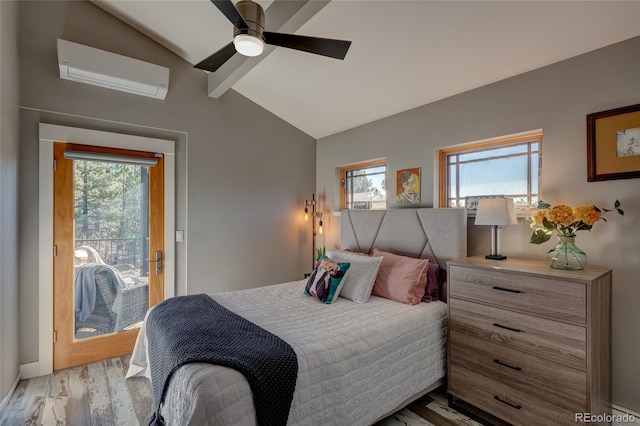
(613, 144)
(408, 186)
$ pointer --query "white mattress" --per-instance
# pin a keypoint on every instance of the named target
(356, 362)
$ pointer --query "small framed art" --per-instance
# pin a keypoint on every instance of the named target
(613, 144)
(408, 186)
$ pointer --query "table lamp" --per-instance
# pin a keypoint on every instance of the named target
(496, 212)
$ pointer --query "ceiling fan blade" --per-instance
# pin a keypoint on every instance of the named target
(216, 60)
(320, 46)
(230, 11)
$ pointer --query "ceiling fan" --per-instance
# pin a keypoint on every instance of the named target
(249, 36)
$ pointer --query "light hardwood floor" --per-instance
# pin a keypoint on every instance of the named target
(92, 394)
(98, 394)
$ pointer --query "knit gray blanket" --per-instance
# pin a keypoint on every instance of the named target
(196, 328)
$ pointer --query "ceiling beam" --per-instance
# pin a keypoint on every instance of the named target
(284, 16)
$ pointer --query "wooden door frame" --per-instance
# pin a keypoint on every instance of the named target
(48, 134)
(69, 351)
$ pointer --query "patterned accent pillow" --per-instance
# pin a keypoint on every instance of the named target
(326, 280)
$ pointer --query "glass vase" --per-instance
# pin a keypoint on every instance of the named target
(566, 255)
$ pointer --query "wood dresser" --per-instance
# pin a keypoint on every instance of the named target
(529, 344)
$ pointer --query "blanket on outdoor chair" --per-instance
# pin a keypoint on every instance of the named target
(85, 286)
(195, 328)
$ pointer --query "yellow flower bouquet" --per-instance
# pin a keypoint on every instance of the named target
(565, 220)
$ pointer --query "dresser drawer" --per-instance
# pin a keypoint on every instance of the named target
(515, 406)
(544, 379)
(565, 300)
(552, 340)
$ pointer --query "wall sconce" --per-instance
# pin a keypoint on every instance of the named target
(496, 212)
(310, 209)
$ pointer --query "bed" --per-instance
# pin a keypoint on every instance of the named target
(357, 362)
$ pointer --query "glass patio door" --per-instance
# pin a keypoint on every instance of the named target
(108, 234)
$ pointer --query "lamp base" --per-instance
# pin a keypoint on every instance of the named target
(495, 257)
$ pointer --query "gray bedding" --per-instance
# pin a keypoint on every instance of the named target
(211, 333)
(357, 362)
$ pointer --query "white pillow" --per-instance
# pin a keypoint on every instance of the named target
(362, 274)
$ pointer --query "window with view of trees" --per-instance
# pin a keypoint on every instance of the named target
(509, 166)
(111, 202)
(364, 186)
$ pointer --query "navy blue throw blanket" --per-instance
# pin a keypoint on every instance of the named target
(196, 328)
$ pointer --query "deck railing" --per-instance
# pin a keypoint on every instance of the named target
(119, 251)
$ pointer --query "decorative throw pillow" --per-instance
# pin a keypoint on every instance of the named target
(326, 280)
(436, 277)
(401, 278)
(362, 274)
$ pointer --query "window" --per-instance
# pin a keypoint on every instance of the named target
(364, 186)
(508, 166)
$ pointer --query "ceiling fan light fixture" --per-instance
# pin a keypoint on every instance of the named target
(248, 45)
(249, 36)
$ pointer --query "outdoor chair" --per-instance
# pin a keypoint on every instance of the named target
(121, 299)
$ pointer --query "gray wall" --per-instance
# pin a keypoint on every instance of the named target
(557, 99)
(242, 173)
(9, 126)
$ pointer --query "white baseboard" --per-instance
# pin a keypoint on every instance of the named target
(27, 371)
(624, 413)
(30, 370)
(6, 399)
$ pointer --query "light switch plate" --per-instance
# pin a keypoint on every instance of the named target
(179, 236)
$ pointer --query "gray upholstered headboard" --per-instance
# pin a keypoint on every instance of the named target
(437, 234)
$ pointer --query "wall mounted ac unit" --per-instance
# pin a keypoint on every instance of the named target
(105, 69)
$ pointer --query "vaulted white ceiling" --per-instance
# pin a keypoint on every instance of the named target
(404, 53)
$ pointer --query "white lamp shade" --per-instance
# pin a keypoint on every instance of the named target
(496, 211)
(248, 45)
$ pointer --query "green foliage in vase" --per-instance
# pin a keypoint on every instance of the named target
(320, 251)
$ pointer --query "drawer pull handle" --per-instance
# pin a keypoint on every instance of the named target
(504, 364)
(517, 330)
(497, 398)
(495, 287)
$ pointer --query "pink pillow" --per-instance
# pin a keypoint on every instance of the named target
(400, 278)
